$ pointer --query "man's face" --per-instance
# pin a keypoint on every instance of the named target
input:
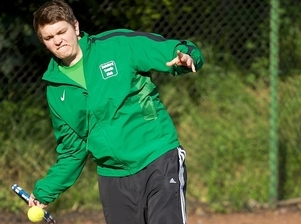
(61, 39)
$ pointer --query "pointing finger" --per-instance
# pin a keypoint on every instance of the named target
(193, 67)
(172, 62)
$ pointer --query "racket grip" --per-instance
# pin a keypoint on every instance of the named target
(25, 197)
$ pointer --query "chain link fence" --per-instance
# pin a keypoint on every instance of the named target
(222, 113)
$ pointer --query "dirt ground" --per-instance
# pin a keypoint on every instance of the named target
(283, 215)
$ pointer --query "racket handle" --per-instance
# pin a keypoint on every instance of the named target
(25, 197)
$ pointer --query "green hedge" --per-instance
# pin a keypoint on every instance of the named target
(225, 131)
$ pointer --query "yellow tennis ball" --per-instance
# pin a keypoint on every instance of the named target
(35, 214)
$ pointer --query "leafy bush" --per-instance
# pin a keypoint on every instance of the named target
(225, 131)
(27, 150)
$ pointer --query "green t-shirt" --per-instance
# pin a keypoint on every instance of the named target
(75, 72)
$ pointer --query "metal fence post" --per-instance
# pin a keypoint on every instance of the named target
(273, 70)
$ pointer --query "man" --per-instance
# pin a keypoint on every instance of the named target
(102, 101)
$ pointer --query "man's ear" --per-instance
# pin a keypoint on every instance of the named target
(76, 27)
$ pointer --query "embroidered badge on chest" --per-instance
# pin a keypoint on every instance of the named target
(108, 69)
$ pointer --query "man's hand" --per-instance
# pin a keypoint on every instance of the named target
(34, 202)
(182, 60)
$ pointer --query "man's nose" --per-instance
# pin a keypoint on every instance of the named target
(57, 40)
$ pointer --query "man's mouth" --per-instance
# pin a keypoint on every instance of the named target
(62, 46)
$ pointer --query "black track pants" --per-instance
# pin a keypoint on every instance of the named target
(155, 195)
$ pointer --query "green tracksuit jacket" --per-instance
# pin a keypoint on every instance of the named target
(119, 117)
